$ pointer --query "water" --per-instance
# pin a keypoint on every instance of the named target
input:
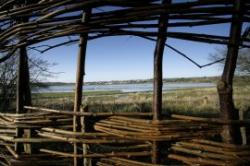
(143, 87)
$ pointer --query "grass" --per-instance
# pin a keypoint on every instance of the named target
(71, 94)
(193, 101)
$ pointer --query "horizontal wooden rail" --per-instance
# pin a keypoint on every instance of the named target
(95, 114)
(96, 155)
(213, 120)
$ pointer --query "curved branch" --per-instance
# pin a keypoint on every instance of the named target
(6, 57)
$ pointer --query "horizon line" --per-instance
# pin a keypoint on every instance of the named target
(140, 79)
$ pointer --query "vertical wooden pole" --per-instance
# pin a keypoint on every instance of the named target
(85, 128)
(27, 90)
(243, 129)
(23, 92)
(231, 134)
(79, 83)
(23, 96)
(157, 91)
(20, 96)
(27, 95)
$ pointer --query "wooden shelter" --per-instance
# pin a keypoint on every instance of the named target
(24, 24)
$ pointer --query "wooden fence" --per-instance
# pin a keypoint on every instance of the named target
(41, 136)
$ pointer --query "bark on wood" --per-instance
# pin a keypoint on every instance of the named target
(157, 86)
(231, 134)
(79, 85)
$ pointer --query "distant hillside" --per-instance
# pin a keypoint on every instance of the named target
(238, 79)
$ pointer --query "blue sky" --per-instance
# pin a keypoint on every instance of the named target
(124, 58)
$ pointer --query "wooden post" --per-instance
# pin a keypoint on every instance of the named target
(79, 83)
(243, 129)
(85, 128)
(27, 90)
(23, 96)
(19, 97)
(157, 91)
(23, 91)
(27, 95)
(231, 134)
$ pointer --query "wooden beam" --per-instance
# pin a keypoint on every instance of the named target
(231, 133)
(26, 95)
(23, 89)
(157, 87)
(79, 83)
(20, 93)
(82, 113)
(85, 128)
(158, 57)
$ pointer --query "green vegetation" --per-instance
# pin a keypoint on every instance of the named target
(193, 101)
(196, 101)
(71, 94)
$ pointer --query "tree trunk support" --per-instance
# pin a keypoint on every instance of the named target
(157, 91)
(23, 96)
(231, 134)
(79, 84)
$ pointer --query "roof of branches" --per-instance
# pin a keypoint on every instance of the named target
(29, 22)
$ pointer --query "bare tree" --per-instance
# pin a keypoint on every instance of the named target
(8, 76)
(243, 62)
(39, 70)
